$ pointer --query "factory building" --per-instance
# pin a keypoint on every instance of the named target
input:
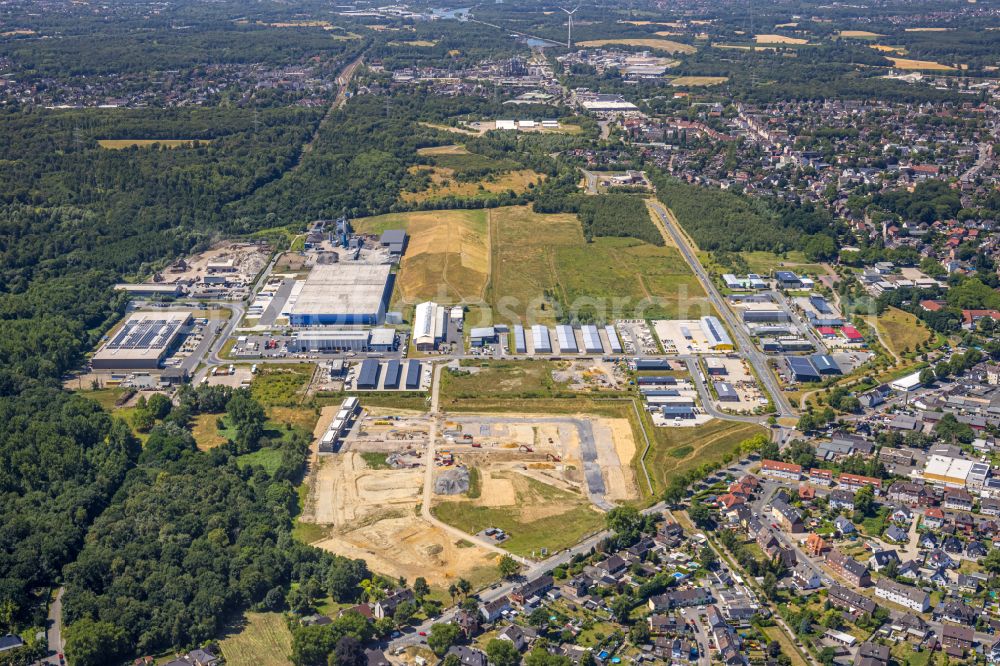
(802, 370)
(677, 411)
(715, 366)
(368, 375)
(567, 339)
(413, 371)
(480, 337)
(651, 364)
(591, 339)
(718, 338)
(520, 344)
(765, 314)
(540, 340)
(613, 342)
(429, 326)
(656, 380)
(726, 392)
(341, 340)
(142, 342)
(345, 293)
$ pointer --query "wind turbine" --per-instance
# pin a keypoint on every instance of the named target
(569, 28)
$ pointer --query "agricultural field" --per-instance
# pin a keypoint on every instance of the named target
(666, 45)
(679, 450)
(448, 255)
(264, 640)
(906, 63)
(540, 261)
(780, 39)
(901, 331)
(859, 34)
(121, 144)
(885, 48)
(698, 80)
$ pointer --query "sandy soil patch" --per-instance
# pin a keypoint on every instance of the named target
(927, 29)
(885, 48)
(346, 491)
(408, 546)
(496, 490)
(779, 39)
(616, 460)
(451, 149)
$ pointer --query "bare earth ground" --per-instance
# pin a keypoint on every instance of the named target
(374, 515)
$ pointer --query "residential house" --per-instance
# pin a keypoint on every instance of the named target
(850, 569)
(857, 482)
(805, 577)
(957, 641)
(518, 636)
(904, 595)
(468, 656)
(387, 607)
(871, 654)
(958, 499)
(881, 559)
(841, 499)
(821, 477)
(781, 470)
(493, 610)
(787, 516)
(955, 611)
(933, 518)
(975, 549)
(897, 534)
(696, 596)
(376, 658)
(849, 600)
(844, 526)
(533, 588)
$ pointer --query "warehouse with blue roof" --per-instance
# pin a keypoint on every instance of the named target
(802, 370)
(413, 371)
(368, 374)
(825, 364)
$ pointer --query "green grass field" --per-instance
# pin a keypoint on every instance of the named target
(679, 450)
(500, 379)
(269, 459)
(902, 331)
(263, 641)
(543, 261)
(282, 385)
(543, 517)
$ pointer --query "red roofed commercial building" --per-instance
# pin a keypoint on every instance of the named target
(781, 470)
(857, 482)
(851, 333)
(826, 331)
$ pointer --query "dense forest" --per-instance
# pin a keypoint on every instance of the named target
(723, 220)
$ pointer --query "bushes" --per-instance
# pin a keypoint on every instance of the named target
(617, 215)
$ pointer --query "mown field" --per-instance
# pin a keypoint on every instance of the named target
(543, 517)
(448, 255)
(263, 641)
(902, 331)
(121, 144)
(541, 262)
(678, 450)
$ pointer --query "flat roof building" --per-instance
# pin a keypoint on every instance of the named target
(520, 344)
(726, 392)
(540, 340)
(413, 371)
(591, 339)
(613, 341)
(150, 289)
(347, 293)
(142, 341)
(485, 335)
(718, 338)
(567, 339)
(368, 374)
(393, 373)
(428, 325)
(825, 364)
(395, 240)
(802, 369)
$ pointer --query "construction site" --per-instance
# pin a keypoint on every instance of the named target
(367, 497)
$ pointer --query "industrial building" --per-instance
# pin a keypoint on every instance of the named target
(567, 339)
(394, 240)
(718, 338)
(142, 342)
(788, 280)
(591, 339)
(340, 425)
(368, 375)
(726, 392)
(413, 371)
(716, 366)
(765, 314)
(656, 380)
(340, 340)
(613, 342)
(520, 344)
(393, 374)
(345, 293)
(677, 411)
(151, 289)
(485, 335)
(429, 325)
(540, 340)
(825, 364)
(651, 364)
(802, 370)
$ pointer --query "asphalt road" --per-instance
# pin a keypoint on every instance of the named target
(749, 350)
